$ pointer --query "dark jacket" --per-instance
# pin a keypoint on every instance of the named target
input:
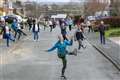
(101, 28)
(79, 35)
(34, 28)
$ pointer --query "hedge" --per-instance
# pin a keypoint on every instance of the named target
(112, 21)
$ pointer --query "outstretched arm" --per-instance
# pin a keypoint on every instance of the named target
(53, 48)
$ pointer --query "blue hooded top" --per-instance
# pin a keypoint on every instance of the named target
(61, 47)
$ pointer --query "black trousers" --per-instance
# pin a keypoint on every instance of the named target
(70, 27)
(20, 32)
(64, 61)
(51, 27)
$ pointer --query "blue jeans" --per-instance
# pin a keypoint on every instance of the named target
(36, 36)
(102, 38)
(9, 37)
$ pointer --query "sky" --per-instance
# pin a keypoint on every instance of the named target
(55, 0)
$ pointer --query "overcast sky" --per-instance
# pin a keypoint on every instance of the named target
(55, 0)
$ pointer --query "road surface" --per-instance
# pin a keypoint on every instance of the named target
(27, 60)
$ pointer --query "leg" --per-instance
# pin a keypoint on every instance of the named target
(79, 42)
(15, 34)
(34, 35)
(64, 37)
(7, 40)
(70, 27)
(64, 61)
(23, 33)
(11, 38)
(88, 28)
(101, 38)
(37, 35)
(74, 52)
(50, 28)
(30, 27)
(19, 34)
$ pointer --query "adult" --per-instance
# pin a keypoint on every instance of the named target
(36, 30)
(70, 23)
(101, 29)
(79, 37)
(30, 22)
(19, 30)
(7, 34)
(14, 26)
(50, 25)
(89, 25)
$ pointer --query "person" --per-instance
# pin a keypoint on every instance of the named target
(19, 30)
(14, 27)
(63, 29)
(54, 23)
(61, 46)
(7, 34)
(36, 30)
(2, 24)
(89, 25)
(51, 25)
(44, 23)
(70, 22)
(101, 29)
(80, 20)
(79, 37)
(30, 21)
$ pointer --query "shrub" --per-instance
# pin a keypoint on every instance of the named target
(112, 21)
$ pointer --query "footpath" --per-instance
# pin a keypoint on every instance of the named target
(110, 50)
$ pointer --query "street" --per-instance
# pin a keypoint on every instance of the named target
(27, 60)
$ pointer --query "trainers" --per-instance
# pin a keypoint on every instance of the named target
(63, 77)
(75, 52)
(84, 47)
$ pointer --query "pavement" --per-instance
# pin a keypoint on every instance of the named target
(27, 60)
(115, 40)
(111, 50)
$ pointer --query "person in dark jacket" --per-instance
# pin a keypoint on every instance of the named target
(30, 22)
(36, 30)
(63, 29)
(79, 37)
(101, 29)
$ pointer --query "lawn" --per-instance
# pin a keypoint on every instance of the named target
(113, 32)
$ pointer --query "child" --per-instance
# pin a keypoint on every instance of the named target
(61, 46)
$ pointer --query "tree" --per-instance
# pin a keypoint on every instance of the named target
(93, 6)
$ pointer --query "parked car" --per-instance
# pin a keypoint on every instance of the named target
(10, 18)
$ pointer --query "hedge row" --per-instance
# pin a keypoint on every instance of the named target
(112, 21)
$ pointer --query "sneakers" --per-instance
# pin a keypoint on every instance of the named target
(63, 77)
(75, 52)
(84, 47)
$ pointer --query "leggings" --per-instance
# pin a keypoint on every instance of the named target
(64, 61)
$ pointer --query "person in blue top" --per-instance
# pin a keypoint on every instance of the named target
(14, 27)
(61, 46)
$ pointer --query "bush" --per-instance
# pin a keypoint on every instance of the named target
(114, 34)
(112, 21)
